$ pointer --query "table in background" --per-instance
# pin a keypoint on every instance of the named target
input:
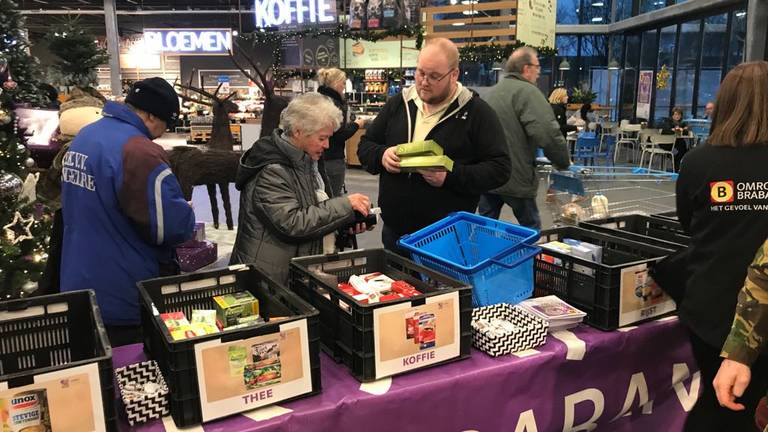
(581, 374)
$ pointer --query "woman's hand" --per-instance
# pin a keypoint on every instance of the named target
(360, 203)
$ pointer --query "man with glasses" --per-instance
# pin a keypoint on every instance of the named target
(529, 123)
(437, 108)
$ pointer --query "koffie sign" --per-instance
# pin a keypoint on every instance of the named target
(728, 195)
(189, 41)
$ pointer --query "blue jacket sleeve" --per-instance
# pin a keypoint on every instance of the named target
(150, 195)
(171, 217)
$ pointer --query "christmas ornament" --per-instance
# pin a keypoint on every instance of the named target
(21, 148)
(662, 78)
(5, 116)
(10, 186)
(19, 229)
(29, 162)
(10, 85)
(28, 193)
(29, 287)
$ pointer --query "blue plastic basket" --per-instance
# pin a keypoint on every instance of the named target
(495, 257)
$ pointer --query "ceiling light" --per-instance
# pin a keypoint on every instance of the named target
(597, 19)
(740, 14)
(598, 4)
(235, 33)
(613, 65)
(564, 65)
(40, 1)
(458, 24)
(470, 12)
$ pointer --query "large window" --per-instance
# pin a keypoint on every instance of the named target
(738, 36)
(687, 61)
(651, 5)
(568, 11)
(567, 49)
(623, 9)
(629, 78)
(712, 53)
(663, 99)
(596, 12)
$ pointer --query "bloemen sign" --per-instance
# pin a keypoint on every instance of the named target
(188, 41)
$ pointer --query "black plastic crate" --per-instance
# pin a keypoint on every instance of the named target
(590, 286)
(347, 333)
(664, 233)
(196, 291)
(52, 333)
(666, 215)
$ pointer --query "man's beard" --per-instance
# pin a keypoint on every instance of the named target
(435, 98)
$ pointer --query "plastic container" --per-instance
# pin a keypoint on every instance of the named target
(667, 215)
(348, 327)
(661, 232)
(599, 288)
(177, 359)
(494, 257)
(53, 333)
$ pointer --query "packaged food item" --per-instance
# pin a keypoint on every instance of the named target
(413, 163)
(204, 316)
(174, 320)
(230, 307)
(25, 412)
(237, 356)
(419, 148)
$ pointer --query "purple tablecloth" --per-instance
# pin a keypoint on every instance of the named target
(650, 365)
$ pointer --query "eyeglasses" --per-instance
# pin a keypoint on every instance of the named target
(433, 78)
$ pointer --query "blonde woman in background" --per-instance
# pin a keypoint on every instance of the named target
(332, 82)
(557, 99)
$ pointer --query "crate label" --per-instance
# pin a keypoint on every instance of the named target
(228, 279)
(67, 400)
(408, 337)
(640, 297)
(242, 375)
(199, 284)
(31, 311)
(335, 265)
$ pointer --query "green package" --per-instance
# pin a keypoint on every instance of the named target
(413, 163)
(230, 307)
(237, 356)
(419, 148)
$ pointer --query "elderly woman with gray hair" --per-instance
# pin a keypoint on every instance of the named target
(285, 210)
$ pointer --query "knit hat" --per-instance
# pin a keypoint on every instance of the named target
(155, 96)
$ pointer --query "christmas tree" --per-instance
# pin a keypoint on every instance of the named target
(24, 224)
(78, 55)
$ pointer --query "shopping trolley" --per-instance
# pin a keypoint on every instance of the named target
(591, 192)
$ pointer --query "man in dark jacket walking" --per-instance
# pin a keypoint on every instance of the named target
(439, 108)
(529, 123)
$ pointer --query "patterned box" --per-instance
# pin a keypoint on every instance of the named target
(146, 407)
(194, 258)
(529, 332)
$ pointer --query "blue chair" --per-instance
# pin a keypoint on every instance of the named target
(588, 148)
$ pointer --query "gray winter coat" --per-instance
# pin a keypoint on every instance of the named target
(528, 123)
(280, 216)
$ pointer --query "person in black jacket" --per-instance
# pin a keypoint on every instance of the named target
(675, 125)
(557, 100)
(332, 82)
(439, 108)
(722, 200)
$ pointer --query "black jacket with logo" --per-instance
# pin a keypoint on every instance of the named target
(470, 134)
(719, 202)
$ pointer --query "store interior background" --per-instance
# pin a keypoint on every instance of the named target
(605, 43)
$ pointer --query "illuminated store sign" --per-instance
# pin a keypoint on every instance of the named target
(273, 13)
(188, 41)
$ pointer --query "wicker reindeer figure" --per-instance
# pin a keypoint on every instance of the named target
(193, 167)
(217, 163)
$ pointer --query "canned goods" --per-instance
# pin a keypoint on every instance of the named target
(25, 412)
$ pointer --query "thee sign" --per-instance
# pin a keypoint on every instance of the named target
(273, 13)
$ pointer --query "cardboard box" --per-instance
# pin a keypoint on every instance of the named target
(419, 148)
(414, 163)
(230, 307)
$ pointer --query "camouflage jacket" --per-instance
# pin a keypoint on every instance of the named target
(750, 325)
